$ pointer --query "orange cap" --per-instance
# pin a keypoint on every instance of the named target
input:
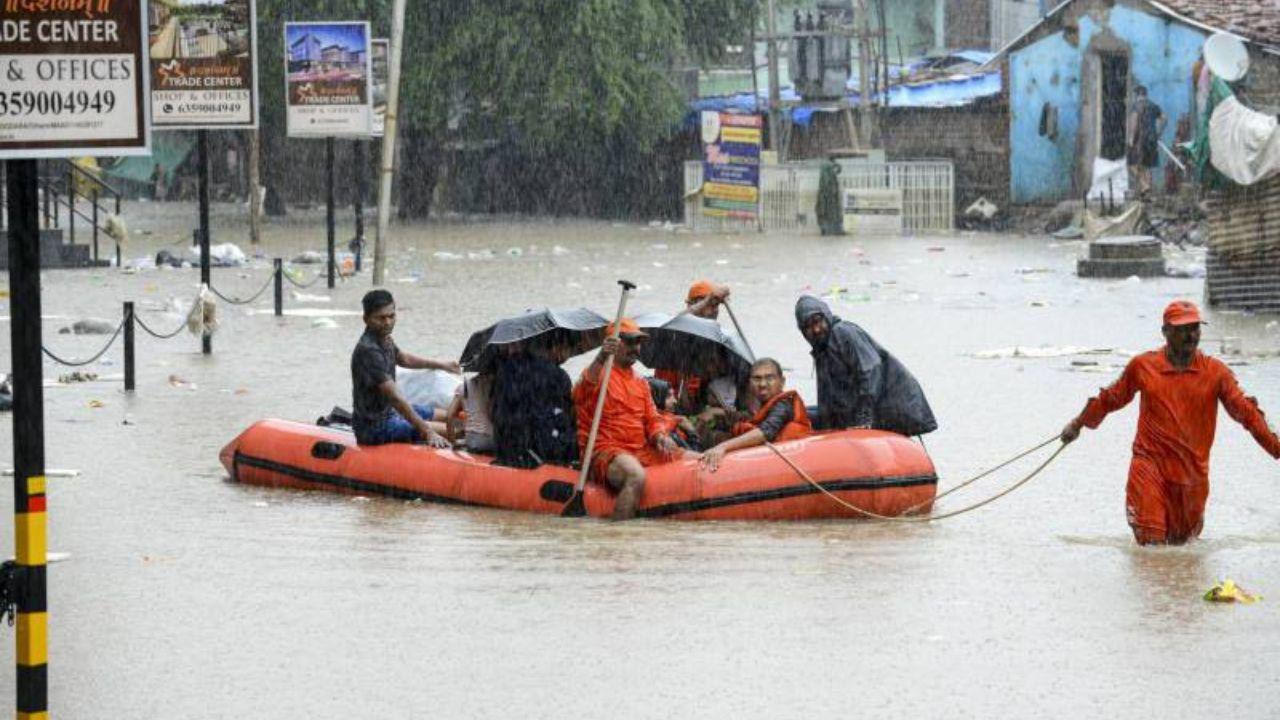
(699, 290)
(1182, 312)
(628, 328)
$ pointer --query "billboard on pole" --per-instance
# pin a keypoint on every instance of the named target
(204, 71)
(327, 79)
(731, 170)
(73, 79)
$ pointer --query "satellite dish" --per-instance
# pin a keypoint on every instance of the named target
(1226, 56)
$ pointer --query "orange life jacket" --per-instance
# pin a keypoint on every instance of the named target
(798, 427)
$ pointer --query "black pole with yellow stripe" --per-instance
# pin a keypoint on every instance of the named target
(28, 579)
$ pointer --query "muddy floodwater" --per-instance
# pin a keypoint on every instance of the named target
(184, 595)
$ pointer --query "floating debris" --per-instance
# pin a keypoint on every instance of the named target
(1043, 351)
(77, 376)
(180, 382)
(1228, 592)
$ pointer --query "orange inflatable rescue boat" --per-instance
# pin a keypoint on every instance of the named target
(880, 472)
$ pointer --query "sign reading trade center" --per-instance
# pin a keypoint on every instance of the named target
(203, 64)
(327, 79)
(731, 171)
(72, 78)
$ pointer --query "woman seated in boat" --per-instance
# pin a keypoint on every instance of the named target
(680, 428)
(468, 415)
(532, 407)
(781, 416)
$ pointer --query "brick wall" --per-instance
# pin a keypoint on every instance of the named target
(1243, 261)
(975, 138)
(968, 24)
(1262, 84)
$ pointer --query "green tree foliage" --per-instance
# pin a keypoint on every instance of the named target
(566, 100)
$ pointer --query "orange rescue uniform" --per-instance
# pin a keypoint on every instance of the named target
(1169, 475)
(798, 427)
(627, 424)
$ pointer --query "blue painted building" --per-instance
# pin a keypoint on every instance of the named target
(1070, 81)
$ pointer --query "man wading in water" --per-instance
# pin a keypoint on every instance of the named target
(380, 414)
(1181, 388)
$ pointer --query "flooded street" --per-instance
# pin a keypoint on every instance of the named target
(187, 596)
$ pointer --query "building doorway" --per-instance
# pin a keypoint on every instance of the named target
(1114, 91)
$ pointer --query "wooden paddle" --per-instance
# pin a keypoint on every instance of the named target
(751, 354)
(575, 507)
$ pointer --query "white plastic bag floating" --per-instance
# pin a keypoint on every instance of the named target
(1244, 144)
(428, 387)
(203, 318)
(220, 255)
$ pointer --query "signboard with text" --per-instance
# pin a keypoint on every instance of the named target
(380, 53)
(73, 78)
(204, 71)
(327, 79)
(731, 169)
(874, 211)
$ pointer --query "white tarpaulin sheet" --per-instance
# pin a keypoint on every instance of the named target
(1244, 144)
(1110, 180)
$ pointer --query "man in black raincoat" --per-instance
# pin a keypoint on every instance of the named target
(859, 383)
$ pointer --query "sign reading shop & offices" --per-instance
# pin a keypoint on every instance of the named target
(203, 64)
(327, 79)
(72, 78)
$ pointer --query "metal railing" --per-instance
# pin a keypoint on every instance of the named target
(60, 188)
(789, 193)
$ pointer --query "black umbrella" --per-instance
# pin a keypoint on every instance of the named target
(693, 346)
(578, 328)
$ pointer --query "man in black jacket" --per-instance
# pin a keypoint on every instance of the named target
(859, 383)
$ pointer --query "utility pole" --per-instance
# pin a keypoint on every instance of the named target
(864, 74)
(255, 198)
(388, 143)
(775, 92)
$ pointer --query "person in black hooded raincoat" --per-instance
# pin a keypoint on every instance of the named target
(859, 383)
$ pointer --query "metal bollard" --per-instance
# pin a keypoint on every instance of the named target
(279, 281)
(128, 347)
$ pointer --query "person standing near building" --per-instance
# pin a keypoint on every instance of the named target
(1143, 130)
(1181, 388)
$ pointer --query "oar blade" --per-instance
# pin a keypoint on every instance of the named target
(575, 507)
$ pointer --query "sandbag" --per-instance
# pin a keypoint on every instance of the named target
(1244, 144)
(1098, 226)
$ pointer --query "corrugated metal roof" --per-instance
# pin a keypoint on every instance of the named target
(1255, 21)
(950, 91)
